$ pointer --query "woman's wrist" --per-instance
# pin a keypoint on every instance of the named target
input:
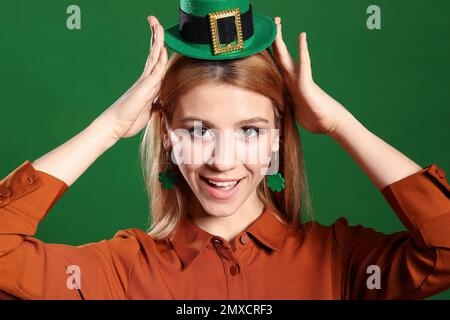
(102, 129)
(345, 127)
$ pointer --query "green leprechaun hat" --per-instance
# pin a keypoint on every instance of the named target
(219, 29)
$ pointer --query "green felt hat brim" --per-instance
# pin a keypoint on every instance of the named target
(265, 31)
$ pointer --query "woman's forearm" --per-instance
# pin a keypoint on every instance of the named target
(71, 159)
(382, 163)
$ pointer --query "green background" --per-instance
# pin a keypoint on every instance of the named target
(55, 81)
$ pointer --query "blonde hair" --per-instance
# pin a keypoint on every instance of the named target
(257, 72)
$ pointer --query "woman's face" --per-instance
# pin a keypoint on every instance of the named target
(222, 139)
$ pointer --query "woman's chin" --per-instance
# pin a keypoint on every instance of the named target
(216, 209)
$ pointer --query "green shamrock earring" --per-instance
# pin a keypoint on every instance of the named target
(275, 182)
(166, 177)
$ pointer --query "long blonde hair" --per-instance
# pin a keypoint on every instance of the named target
(257, 72)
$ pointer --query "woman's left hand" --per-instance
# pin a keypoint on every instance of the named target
(315, 110)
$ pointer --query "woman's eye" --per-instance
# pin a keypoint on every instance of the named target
(200, 132)
(205, 133)
(249, 132)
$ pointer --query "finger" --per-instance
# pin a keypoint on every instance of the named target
(281, 51)
(149, 88)
(160, 66)
(155, 48)
(164, 60)
(151, 22)
(151, 84)
(159, 44)
(304, 58)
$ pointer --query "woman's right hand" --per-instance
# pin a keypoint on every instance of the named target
(131, 112)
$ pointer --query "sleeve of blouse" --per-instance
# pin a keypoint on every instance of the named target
(412, 264)
(32, 269)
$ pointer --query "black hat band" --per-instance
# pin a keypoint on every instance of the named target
(196, 29)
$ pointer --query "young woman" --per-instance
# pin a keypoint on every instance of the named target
(222, 228)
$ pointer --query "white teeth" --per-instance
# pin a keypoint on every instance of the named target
(223, 184)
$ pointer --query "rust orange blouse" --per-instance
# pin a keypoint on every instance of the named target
(269, 260)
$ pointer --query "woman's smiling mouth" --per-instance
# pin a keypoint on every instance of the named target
(221, 189)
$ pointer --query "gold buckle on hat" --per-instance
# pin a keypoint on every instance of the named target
(215, 37)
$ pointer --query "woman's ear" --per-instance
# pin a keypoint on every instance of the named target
(164, 131)
(166, 142)
(169, 137)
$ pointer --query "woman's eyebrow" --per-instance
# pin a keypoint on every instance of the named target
(242, 122)
(252, 120)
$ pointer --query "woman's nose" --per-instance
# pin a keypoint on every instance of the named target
(224, 154)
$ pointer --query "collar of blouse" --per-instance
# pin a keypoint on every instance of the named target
(189, 240)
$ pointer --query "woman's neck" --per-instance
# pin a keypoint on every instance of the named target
(226, 227)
